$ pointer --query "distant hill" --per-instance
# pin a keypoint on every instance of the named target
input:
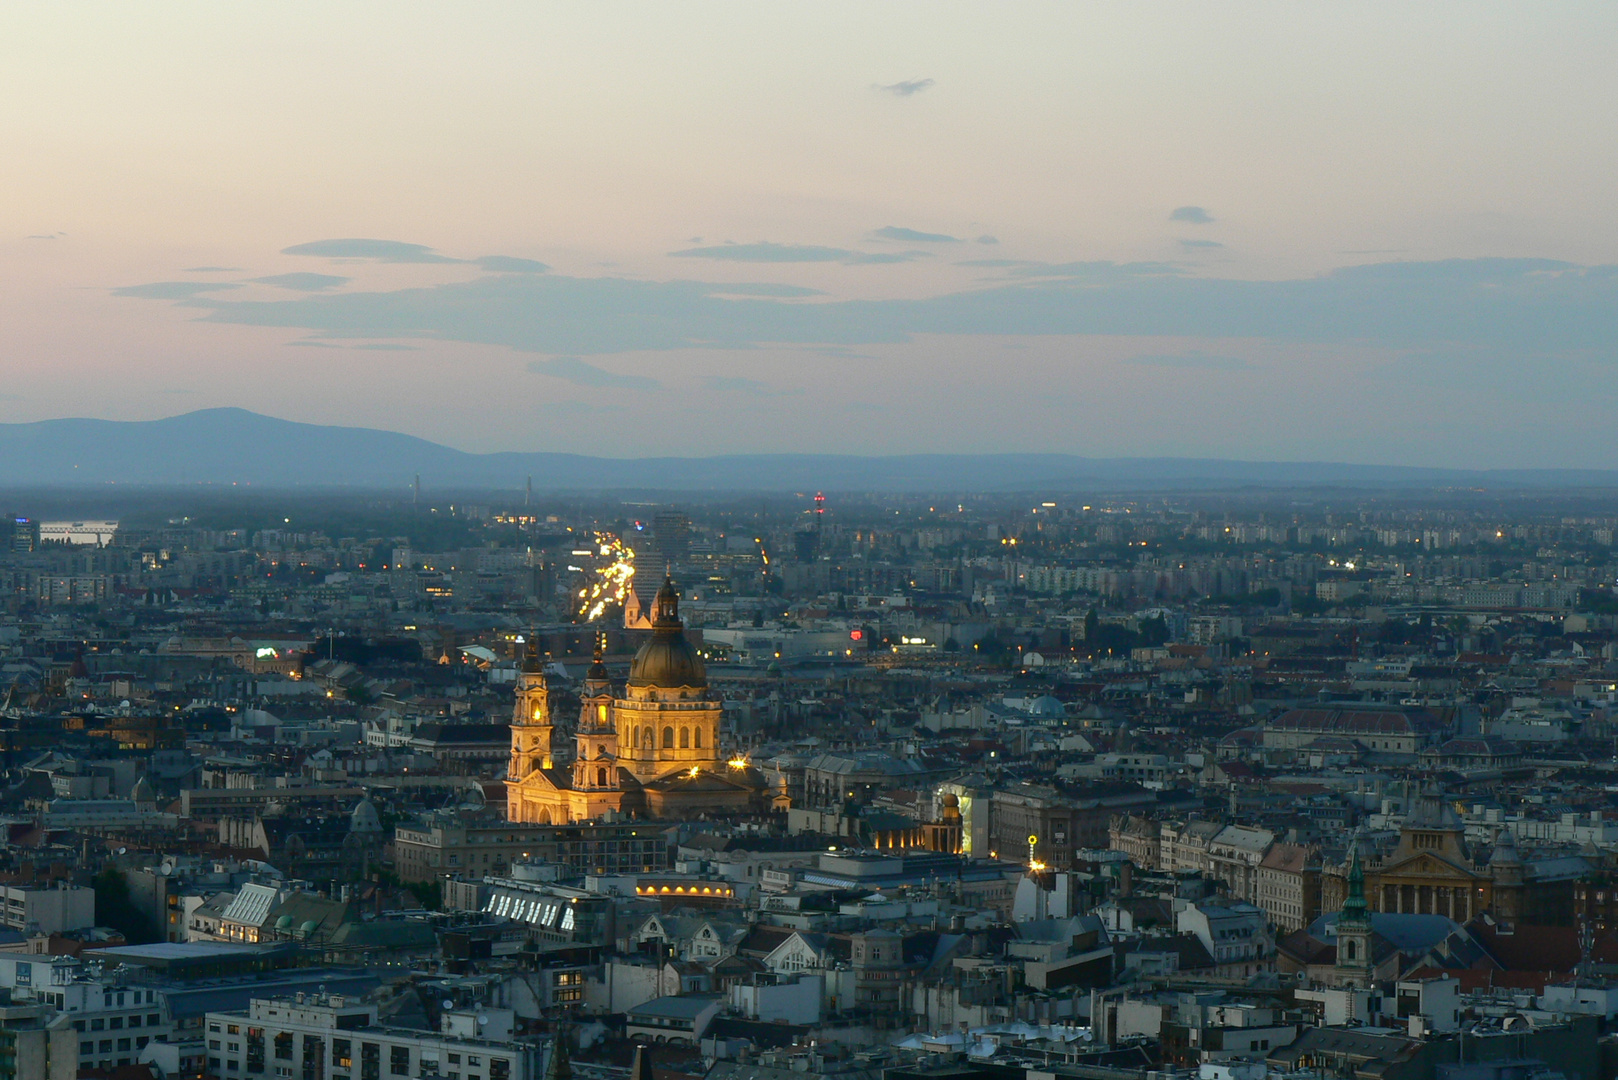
(225, 446)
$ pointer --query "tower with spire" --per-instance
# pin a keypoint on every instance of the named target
(1353, 966)
(531, 729)
(595, 765)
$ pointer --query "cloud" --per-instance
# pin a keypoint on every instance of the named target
(1534, 308)
(767, 252)
(211, 270)
(987, 239)
(510, 264)
(314, 343)
(572, 369)
(304, 282)
(44, 236)
(1191, 360)
(912, 236)
(905, 88)
(390, 251)
(173, 290)
(1099, 271)
(386, 346)
(741, 385)
(1192, 245)
(1194, 215)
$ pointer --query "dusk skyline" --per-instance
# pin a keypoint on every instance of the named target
(1376, 235)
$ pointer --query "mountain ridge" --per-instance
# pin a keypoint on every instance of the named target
(225, 446)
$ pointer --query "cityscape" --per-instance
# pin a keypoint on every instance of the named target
(822, 541)
(856, 785)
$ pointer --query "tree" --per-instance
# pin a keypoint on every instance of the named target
(1092, 622)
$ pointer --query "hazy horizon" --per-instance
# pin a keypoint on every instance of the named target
(1376, 235)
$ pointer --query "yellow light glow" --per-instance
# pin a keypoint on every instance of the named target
(611, 584)
(695, 770)
(737, 763)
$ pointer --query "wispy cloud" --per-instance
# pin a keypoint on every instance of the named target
(173, 290)
(304, 282)
(45, 236)
(392, 251)
(766, 252)
(905, 88)
(572, 369)
(1191, 215)
(1191, 361)
(738, 384)
(913, 236)
(211, 270)
(510, 264)
(1192, 245)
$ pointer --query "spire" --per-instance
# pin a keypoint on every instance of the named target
(559, 1067)
(530, 656)
(642, 1068)
(1354, 907)
(597, 672)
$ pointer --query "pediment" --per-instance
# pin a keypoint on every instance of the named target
(1427, 865)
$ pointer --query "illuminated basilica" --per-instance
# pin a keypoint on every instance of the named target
(649, 750)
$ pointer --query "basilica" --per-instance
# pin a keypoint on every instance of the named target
(648, 749)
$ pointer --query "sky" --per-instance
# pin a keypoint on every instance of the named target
(1380, 233)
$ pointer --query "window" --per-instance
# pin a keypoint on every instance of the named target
(152, 1019)
(668, 738)
(283, 1045)
(106, 1046)
(697, 737)
(685, 738)
(115, 1023)
(87, 1047)
(399, 1061)
(342, 1055)
(134, 1021)
(97, 1024)
(499, 1069)
(370, 1061)
(123, 1044)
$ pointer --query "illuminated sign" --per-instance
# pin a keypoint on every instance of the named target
(856, 635)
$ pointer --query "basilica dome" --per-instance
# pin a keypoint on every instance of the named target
(668, 661)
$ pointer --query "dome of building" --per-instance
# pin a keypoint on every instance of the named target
(1047, 707)
(142, 792)
(365, 818)
(1505, 850)
(668, 661)
(284, 922)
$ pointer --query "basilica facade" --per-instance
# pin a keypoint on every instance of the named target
(649, 748)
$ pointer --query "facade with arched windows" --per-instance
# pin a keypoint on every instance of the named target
(648, 748)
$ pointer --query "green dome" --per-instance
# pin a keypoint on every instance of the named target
(283, 922)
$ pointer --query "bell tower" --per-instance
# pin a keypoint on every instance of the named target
(1354, 929)
(531, 729)
(595, 766)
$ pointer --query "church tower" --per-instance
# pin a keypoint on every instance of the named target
(595, 766)
(531, 729)
(1354, 929)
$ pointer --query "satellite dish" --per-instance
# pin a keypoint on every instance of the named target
(482, 1019)
(448, 1005)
